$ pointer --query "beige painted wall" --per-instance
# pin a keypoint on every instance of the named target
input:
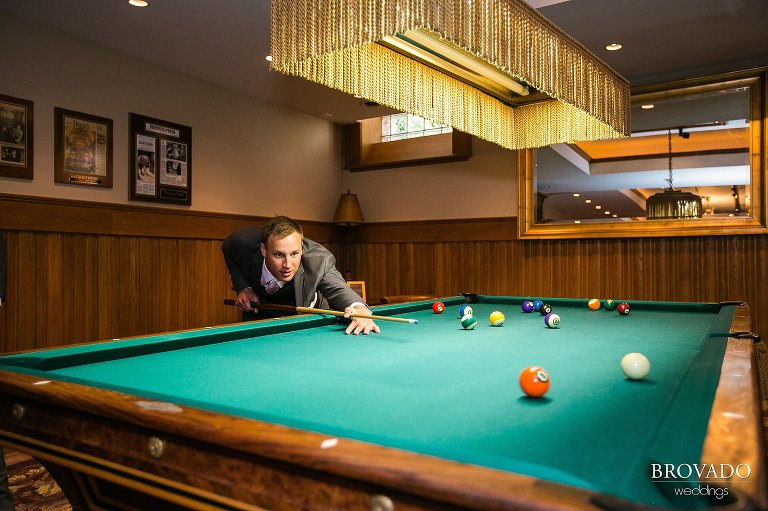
(482, 187)
(239, 143)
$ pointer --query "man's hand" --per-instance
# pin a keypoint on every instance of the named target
(244, 299)
(360, 325)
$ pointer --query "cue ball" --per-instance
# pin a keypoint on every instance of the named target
(527, 306)
(552, 320)
(464, 310)
(623, 308)
(635, 365)
(545, 309)
(496, 318)
(468, 322)
(594, 304)
(534, 381)
(438, 307)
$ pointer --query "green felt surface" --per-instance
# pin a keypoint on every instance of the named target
(444, 391)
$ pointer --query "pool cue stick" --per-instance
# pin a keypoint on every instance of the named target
(310, 310)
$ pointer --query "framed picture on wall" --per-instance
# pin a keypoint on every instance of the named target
(16, 137)
(83, 148)
(161, 161)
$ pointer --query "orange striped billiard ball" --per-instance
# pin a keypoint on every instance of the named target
(534, 381)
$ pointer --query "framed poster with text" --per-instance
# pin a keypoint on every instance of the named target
(161, 161)
(16, 137)
(83, 149)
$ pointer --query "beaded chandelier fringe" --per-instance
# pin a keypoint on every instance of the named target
(333, 42)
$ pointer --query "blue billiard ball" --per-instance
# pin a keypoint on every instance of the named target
(537, 305)
(465, 309)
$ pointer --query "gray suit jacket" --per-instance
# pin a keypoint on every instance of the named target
(317, 281)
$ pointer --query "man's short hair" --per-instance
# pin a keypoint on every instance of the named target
(280, 227)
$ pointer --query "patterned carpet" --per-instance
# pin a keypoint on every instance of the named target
(32, 487)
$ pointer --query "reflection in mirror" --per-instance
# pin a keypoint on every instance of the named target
(695, 157)
(612, 180)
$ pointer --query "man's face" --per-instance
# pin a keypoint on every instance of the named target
(282, 256)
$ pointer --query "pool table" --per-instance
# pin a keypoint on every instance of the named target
(293, 414)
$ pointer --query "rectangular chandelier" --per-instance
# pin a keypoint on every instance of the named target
(495, 69)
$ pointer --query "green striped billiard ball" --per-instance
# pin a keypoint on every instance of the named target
(468, 322)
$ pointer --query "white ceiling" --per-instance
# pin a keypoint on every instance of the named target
(225, 41)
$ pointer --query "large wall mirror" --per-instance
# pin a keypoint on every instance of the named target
(694, 165)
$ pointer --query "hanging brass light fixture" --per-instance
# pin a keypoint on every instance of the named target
(496, 69)
(673, 204)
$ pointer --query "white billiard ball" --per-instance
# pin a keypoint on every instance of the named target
(635, 365)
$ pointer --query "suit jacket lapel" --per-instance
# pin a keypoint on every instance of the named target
(298, 283)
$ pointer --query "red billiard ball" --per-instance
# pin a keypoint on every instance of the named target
(438, 307)
(623, 309)
(534, 381)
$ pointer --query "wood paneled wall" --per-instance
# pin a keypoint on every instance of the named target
(484, 256)
(80, 272)
(66, 287)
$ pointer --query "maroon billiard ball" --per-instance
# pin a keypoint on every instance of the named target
(623, 309)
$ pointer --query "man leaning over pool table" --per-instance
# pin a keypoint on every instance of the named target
(276, 264)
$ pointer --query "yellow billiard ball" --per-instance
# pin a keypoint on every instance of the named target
(496, 318)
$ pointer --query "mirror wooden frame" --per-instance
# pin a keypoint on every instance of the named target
(758, 154)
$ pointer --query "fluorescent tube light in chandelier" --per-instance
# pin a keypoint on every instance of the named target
(496, 69)
(673, 204)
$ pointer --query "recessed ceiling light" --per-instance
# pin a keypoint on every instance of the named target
(577, 222)
(138, 3)
(613, 47)
(598, 207)
(615, 216)
(269, 58)
(647, 107)
(576, 194)
(588, 201)
(607, 212)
